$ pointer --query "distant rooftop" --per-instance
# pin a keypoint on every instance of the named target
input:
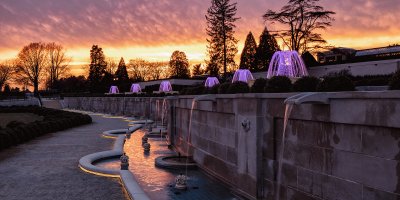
(376, 51)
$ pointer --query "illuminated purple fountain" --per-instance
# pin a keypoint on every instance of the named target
(243, 75)
(113, 90)
(165, 86)
(287, 63)
(211, 81)
(135, 88)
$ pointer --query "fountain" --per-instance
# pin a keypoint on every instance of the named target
(180, 182)
(211, 81)
(243, 75)
(113, 90)
(135, 88)
(165, 86)
(124, 162)
(287, 63)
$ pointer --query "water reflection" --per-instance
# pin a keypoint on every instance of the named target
(159, 183)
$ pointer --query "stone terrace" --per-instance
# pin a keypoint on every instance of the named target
(47, 167)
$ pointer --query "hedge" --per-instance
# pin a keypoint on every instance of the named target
(53, 120)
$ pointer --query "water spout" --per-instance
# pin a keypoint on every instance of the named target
(288, 110)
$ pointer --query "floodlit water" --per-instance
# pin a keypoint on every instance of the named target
(159, 183)
(287, 63)
(288, 110)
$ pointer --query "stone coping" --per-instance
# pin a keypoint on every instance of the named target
(162, 163)
(148, 121)
(128, 180)
(391, 94)
(86, 162)
(117, 132)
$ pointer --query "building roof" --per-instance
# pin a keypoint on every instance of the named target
(377, 51)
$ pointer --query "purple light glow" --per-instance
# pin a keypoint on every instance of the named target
(135, 88)
(113, 90)
(287, 63)
(243, 75)
(165, 86)
(211, 81)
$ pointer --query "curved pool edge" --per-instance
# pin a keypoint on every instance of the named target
(127, 178)
(117, 132)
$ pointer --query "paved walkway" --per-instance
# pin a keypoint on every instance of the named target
(47, 167)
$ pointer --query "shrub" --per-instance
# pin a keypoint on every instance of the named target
(195, 90)
(259, 85)
(279, 84)
(238, 87)
(306, 84)
(14, 124)
(212, 90)
(223, 88)
(335, 84)
(53, 120)
(372, 80)
(394, 83)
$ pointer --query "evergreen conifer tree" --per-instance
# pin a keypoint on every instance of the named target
(265, 50)
(97, 69)
(222, 45)
(121, 76)
(247, 59)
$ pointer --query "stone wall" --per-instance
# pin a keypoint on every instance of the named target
(347, 149)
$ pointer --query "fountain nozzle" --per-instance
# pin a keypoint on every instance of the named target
(180, 182)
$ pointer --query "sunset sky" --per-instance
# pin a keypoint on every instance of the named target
(153, 29)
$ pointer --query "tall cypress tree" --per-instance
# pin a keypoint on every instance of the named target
(265, 50)
(121, 76)
(97, 69)
(248, 57)
(222, 45)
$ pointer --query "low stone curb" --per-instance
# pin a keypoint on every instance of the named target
(132, 187)
(141, 122)
(86, 162)
(117, 132)
(128, 180)
(160, 162)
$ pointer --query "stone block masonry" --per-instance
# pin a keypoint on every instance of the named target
(347, 149)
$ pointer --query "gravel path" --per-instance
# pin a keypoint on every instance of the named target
(47, 167)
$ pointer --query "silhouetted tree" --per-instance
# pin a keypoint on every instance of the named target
(247, 59)
(97, 69)
(137, 69)
(179, 65)
(309, 59)
(7, 88)
(222, 45)
(121, 76)
(32, 60)
(197, 70)
(265, 50)
(6, 68)
(303, 18)
(157, 70)
(112, 65)
(58, 63)
(71, 84)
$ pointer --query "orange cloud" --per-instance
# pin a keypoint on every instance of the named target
(154, 29)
